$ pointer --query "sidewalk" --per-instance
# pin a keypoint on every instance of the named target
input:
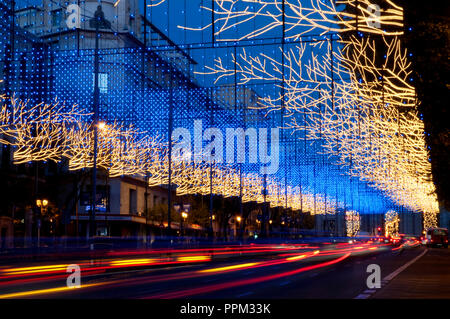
(428, 277)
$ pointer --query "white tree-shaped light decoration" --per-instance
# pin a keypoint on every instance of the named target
(352, 222)
(364, 111)
(50, 132)
(391, 223)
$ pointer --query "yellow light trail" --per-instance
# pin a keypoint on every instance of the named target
(219, 269)
(296, 257)
(132, 262)
(194, 258)
(30, 270)
(44, 291)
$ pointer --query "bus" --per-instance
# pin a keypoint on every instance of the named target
(435, 237)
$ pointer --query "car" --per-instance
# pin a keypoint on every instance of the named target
(396, 240)
(436, 237)
(411, 240)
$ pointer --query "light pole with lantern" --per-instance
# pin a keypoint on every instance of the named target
(238, 219)
(42, 204)
(184, 216)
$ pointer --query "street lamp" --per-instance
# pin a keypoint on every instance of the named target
(101, 125)
(238, 219)
(98, 22)
(42, 204)
(184, 216)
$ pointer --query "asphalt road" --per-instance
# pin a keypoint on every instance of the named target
(314, 271)
(428, 277)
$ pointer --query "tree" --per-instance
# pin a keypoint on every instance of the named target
(427, 37)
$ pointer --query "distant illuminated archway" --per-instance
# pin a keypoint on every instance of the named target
(391, 223)
(353, 221)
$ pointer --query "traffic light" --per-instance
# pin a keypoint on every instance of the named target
(379, 231)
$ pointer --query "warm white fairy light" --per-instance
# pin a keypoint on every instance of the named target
(370, 123)
(352, 222)
(301, 17)
(391, 223)
(51, 133)
(365, 114)
(381, 143)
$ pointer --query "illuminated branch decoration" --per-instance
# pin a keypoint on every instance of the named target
(302, 17)
(372, 126)
(391, 223)
(352, 221)
(50, 132)
(155, 3)
(362, 110)
(37, 132)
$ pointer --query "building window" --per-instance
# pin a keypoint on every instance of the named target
(102, 82)
(133, 201)
(56, 17)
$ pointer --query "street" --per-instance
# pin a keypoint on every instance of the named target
(325, 270)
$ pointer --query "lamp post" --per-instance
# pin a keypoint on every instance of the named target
(98, 22)
(42, 204)
(177, 208)
(239, 219)
(184, 216)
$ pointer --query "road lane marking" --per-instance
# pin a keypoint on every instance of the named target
(400, 269)
(369, 292)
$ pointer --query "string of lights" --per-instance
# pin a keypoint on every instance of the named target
(333, 89)
(363, 111)
(47, 132)
(352, 222)
(391, 223)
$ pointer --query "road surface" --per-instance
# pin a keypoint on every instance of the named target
(270, 271)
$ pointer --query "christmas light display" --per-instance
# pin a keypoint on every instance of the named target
(302, 17)
(364, 111)
(340, 78)
(48, 133)
(352, 222)
(391, 223)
